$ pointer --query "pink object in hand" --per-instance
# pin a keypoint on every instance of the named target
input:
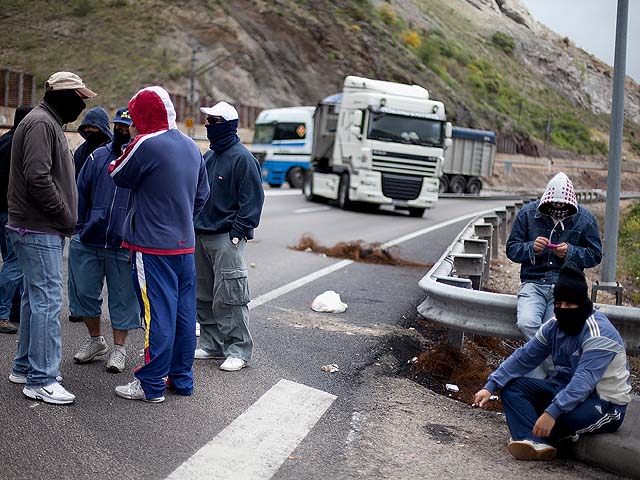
(552, 245)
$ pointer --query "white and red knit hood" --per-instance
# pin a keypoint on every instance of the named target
(151, 110)
(559, 189)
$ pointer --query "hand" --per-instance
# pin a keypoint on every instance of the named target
(544, 425)
(539, 244)
(481, 398)
(561, 250)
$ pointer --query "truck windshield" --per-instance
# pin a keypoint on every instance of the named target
(388, 127)
(268, 132)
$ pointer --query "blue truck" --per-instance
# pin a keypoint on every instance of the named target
(282, 144)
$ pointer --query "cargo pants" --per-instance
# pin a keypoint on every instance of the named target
(222, 297)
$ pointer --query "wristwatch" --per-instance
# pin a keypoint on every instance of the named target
(235, 240)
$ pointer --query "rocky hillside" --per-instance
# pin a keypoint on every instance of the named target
(493, 65)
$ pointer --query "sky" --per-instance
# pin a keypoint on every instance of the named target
(591, 24)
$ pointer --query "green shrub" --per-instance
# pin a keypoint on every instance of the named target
(387, 14)
(629, 244)
(504, 42)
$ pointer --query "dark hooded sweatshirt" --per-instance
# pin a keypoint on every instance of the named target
(5, 156)
(96, 117)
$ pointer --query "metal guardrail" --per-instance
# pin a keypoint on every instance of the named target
(453, 284)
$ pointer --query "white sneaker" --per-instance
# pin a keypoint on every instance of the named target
(197, 329)
(530, 450)
(233, 364)
(133, 391)
(90, 349)
(22, 379)
(54, 393)
(201, 354)
(117, 360)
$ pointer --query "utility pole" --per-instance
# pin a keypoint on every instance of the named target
(192, 92)
(611, 224)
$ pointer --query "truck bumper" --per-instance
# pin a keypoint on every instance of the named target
(367, 187)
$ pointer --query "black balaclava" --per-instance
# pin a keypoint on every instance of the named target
(95, 139)
(572, 287)
(119, 139)
(66, 103)
(222, 135)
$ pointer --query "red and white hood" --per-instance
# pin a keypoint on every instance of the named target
(559, 189)
(152, 111)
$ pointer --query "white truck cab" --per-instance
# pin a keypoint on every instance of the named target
(378, 143)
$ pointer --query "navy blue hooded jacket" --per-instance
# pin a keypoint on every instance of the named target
(167, 177)
(102, 206)
(237, 196)
(96, 117)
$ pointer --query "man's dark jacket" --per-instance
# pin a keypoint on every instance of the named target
(5, 156)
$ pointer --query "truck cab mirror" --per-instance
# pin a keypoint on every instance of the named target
(356, 118)
(448, 130)
(355, 130)
(448, 142)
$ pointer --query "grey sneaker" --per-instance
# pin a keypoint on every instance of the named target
(530, 450)
(7, 327)
(133, 391)
(22, 379)
(54, 393)
(90, 350)
(117, 359)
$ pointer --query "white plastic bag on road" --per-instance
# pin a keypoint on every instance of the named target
(328, 302)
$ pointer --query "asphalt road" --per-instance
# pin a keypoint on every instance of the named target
(102, 436)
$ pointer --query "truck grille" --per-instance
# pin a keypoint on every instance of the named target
(404, 164)
(401, 187)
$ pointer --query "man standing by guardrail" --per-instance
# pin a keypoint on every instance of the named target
(589, 392)
(545, 235)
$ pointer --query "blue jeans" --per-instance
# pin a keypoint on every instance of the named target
(40, 343)
(89, 267)
(525, 399)
(535, 307)
(10, 274)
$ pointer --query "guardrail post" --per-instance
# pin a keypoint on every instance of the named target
(502, 215)
(455, 337)
(470, 265)
(511, 210)
(484, 231)
(494, 220)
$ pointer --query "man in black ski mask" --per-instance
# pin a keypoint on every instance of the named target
(572, 305)
(590, 389)
(43, 209)
(95, 131)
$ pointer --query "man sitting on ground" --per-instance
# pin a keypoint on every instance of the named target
(590, 390)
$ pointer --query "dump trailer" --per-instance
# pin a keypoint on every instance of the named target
(282, 144)
(470, 157)
(378, 143)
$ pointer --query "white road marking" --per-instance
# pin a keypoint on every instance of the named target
(278, 292)
(312, 209)
(256, 443)
(282, 193)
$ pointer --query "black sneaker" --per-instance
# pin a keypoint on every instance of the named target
(7, 327)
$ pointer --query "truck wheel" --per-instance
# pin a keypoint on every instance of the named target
(343, 192)
(296, 177)
(458, 184)
(474, 187)
(275, 185)
(307, 188)
(444, 184)
(416, 212)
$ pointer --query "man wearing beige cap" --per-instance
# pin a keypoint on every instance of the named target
(43, 201)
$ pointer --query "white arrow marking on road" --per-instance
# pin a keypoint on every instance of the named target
(278, 292)
(312, 209)
(256, 443)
